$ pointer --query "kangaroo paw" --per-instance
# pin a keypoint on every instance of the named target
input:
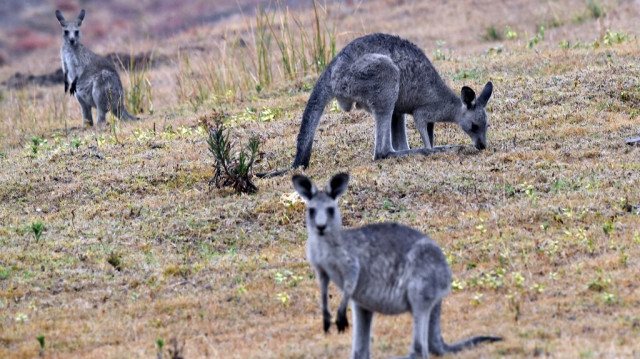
(326, 321)
(381, 155)
(72, 89)
(341, 321)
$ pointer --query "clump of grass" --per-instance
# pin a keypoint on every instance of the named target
(297, 55)
(37, 228)
(159, 346)
(438, 54)
(595, 9)
(40, 339)
(139, 94)
(232, 169)
(492, 34)
(115, 259)
(510, 33)
(321, 53)
(263, 48)
(4, 273)
(537, 38)
(474, 73)
(279, 51)
(612, 37)
(35, 144)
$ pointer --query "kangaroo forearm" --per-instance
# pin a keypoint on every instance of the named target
(341, 319)
(324, 290)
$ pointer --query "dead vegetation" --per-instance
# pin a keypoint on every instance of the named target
(542, 229)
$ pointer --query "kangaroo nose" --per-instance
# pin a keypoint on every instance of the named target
(481, 146)
(321, 228)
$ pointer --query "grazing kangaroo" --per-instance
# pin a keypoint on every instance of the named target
(91, 78)
(390, 77)
(387, 268)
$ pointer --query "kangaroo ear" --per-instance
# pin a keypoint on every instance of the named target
(338, 185)
(81, 17)
(60, 18)
(486, 94)
(468, 96)
(303, 185)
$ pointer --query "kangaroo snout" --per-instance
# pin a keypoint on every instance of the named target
(321, 228)
(481, 145)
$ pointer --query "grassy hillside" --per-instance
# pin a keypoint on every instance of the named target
(113, 239)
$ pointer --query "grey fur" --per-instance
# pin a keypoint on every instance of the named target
(387, 268)
(91, 78)
(391, 77)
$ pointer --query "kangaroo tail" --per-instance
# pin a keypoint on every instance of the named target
(320, 97)
(121, 110)
(274, 173)
(439, 347)
(469, 342)
(123, 114)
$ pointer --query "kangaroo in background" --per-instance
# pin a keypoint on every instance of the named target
(391, 77)
(387, 268)
(91, 78)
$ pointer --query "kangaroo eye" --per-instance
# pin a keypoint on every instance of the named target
(66, 32)
(475, 128)
(331, 211)
(312, 212)
(77, 33)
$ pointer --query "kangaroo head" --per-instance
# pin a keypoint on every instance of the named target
(323, 215)
(474, 120)
(71, 29)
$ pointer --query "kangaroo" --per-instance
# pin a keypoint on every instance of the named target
(91, 78)
(387, 268)
(391, 77)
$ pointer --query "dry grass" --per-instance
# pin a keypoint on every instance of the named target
(541, 229)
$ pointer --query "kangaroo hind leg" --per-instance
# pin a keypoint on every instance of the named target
(422, 302)
(436, 344)
(86, 112)
(399, 132)
(362, 319)
(375, 84)
(419, 342)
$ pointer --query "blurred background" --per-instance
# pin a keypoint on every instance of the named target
(28, 26)
(189, 52)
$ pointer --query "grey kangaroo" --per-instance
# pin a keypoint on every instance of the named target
(390, 77)
(91, 78)
(387, 268)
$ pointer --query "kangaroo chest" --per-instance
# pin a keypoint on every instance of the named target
(72, 63)
(330, 260)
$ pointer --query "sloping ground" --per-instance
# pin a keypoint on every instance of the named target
(541, 229)
(30, 26)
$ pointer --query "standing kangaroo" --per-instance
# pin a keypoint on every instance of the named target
(91, 78)
(390, 77)
(387, 268)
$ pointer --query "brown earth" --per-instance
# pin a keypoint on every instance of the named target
(542, 229)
